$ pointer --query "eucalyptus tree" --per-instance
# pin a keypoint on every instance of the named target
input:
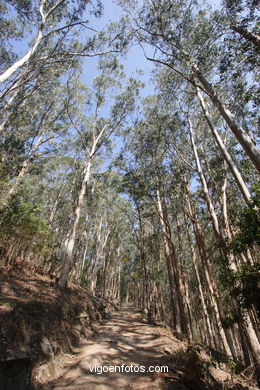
(186, 37)
(37, 131)
(242, 19)
(133, 190)
(103, 248)
(158, 162)
(58, 36)
(116, 246)
(148, 166)
(173, 128)
(53, 22)
(104, 237)
(146, 262)
(95, 132)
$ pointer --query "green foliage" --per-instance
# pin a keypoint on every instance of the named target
(23, 221)
(246, 288)
(243, 287)
(12, 150)
(249, 225)
(220, 358)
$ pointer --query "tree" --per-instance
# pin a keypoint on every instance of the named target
(48, 18)
(96, 133)
(185, 40)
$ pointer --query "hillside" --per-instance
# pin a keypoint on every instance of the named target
(41, 325)
(61, 334)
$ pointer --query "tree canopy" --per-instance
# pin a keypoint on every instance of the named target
(149, 198)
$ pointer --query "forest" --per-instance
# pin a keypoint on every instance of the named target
(129, 160)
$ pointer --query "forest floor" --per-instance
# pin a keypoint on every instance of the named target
(63, 334)
(127, 339)
(42, 326)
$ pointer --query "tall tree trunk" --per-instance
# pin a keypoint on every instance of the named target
(209, 329)
(99, 255)
(184, 285)
(242, 137)
(179, 320)
(214, 219)
(230, 258)
(38, 39)
(54, 208)
(146, 303)
(212, 213)
(68, 257)
(233, 168)
(248, 35)
(67, 260)
(214, 293)
(247, 320)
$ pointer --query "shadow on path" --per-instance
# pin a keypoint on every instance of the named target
(125, 340)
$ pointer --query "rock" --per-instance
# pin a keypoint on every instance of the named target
(167, 350)
(5, 288)
(204, 356)
(220, 375)
(197, 375)
(46, 348)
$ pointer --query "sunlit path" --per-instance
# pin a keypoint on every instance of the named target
(125, 340)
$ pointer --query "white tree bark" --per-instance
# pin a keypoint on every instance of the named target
(233, 168)
(171, 267)
(212, 286)
(18, 64)
(242, 137)
(67, 259)
(212, 213)
(247, 323)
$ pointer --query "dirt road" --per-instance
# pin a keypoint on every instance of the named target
(124, 340)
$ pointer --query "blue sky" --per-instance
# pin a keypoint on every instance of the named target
(134, 59)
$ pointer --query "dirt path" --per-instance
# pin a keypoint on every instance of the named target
(125, 339)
